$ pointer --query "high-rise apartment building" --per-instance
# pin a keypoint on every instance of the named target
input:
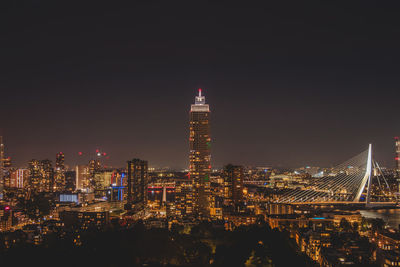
(34, 175)
(102, 180)
(137, 182)
(397, 157)
(59, 175)
(48, 175)
(94, 168)
(184, 198)
(70, 180)
(82, 178)
(22, 176)
(200, 154)
(60, 159)
(41, 175)
(2, 169)
(233, 184)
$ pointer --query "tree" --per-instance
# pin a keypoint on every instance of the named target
(259, 257)
(355, 227)
(345, 226)
(377, 224)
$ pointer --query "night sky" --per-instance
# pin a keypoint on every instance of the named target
(288, 83)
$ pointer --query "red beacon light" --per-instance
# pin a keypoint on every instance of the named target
(7, 208)
(80, 153)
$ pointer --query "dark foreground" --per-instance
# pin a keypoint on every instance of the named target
(203, 245)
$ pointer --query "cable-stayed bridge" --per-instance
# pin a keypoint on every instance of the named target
(343, 183)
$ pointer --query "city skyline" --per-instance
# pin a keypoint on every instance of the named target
(311, 80)
(200, 133)
(97, 152)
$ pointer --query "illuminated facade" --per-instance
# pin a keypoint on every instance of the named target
(94, 167)
(2, 169)
(85, 220)
(18, 178)
(7, 162)
(200, 154)
(5, 218)
(233, 184)
(184, 198)
(41, 175)
(82, 177)
(397, 158)
(119, 184)
(103, 180)
(137, 181)
(59, 175)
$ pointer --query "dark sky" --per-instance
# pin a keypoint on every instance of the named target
(289, 83)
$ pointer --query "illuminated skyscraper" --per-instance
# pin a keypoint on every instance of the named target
(82, 177)
(233, 184)
(22, 178)
(47, 175)
(2, 169)
(102, 180)
(59, 176)
(94, 168)
(137, 182)
(200, 153)
(60, 158)
(41, 175)
(397, 158)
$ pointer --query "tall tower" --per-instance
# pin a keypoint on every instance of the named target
(397, 158)
(82, 180)
(200, 154)
(2, 169)
(59, 176)
(397, 161)
(137, 182)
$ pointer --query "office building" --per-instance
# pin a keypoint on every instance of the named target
(70, 180)
(94, 167)
(2, 168)
(397, 157)
(82, 178)
(102, 182)
(59, 175)
(41, 175)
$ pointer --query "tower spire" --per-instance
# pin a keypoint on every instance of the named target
(200, 99)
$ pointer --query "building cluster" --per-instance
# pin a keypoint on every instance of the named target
(201, 194)
(90, 196)
(336, 235)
